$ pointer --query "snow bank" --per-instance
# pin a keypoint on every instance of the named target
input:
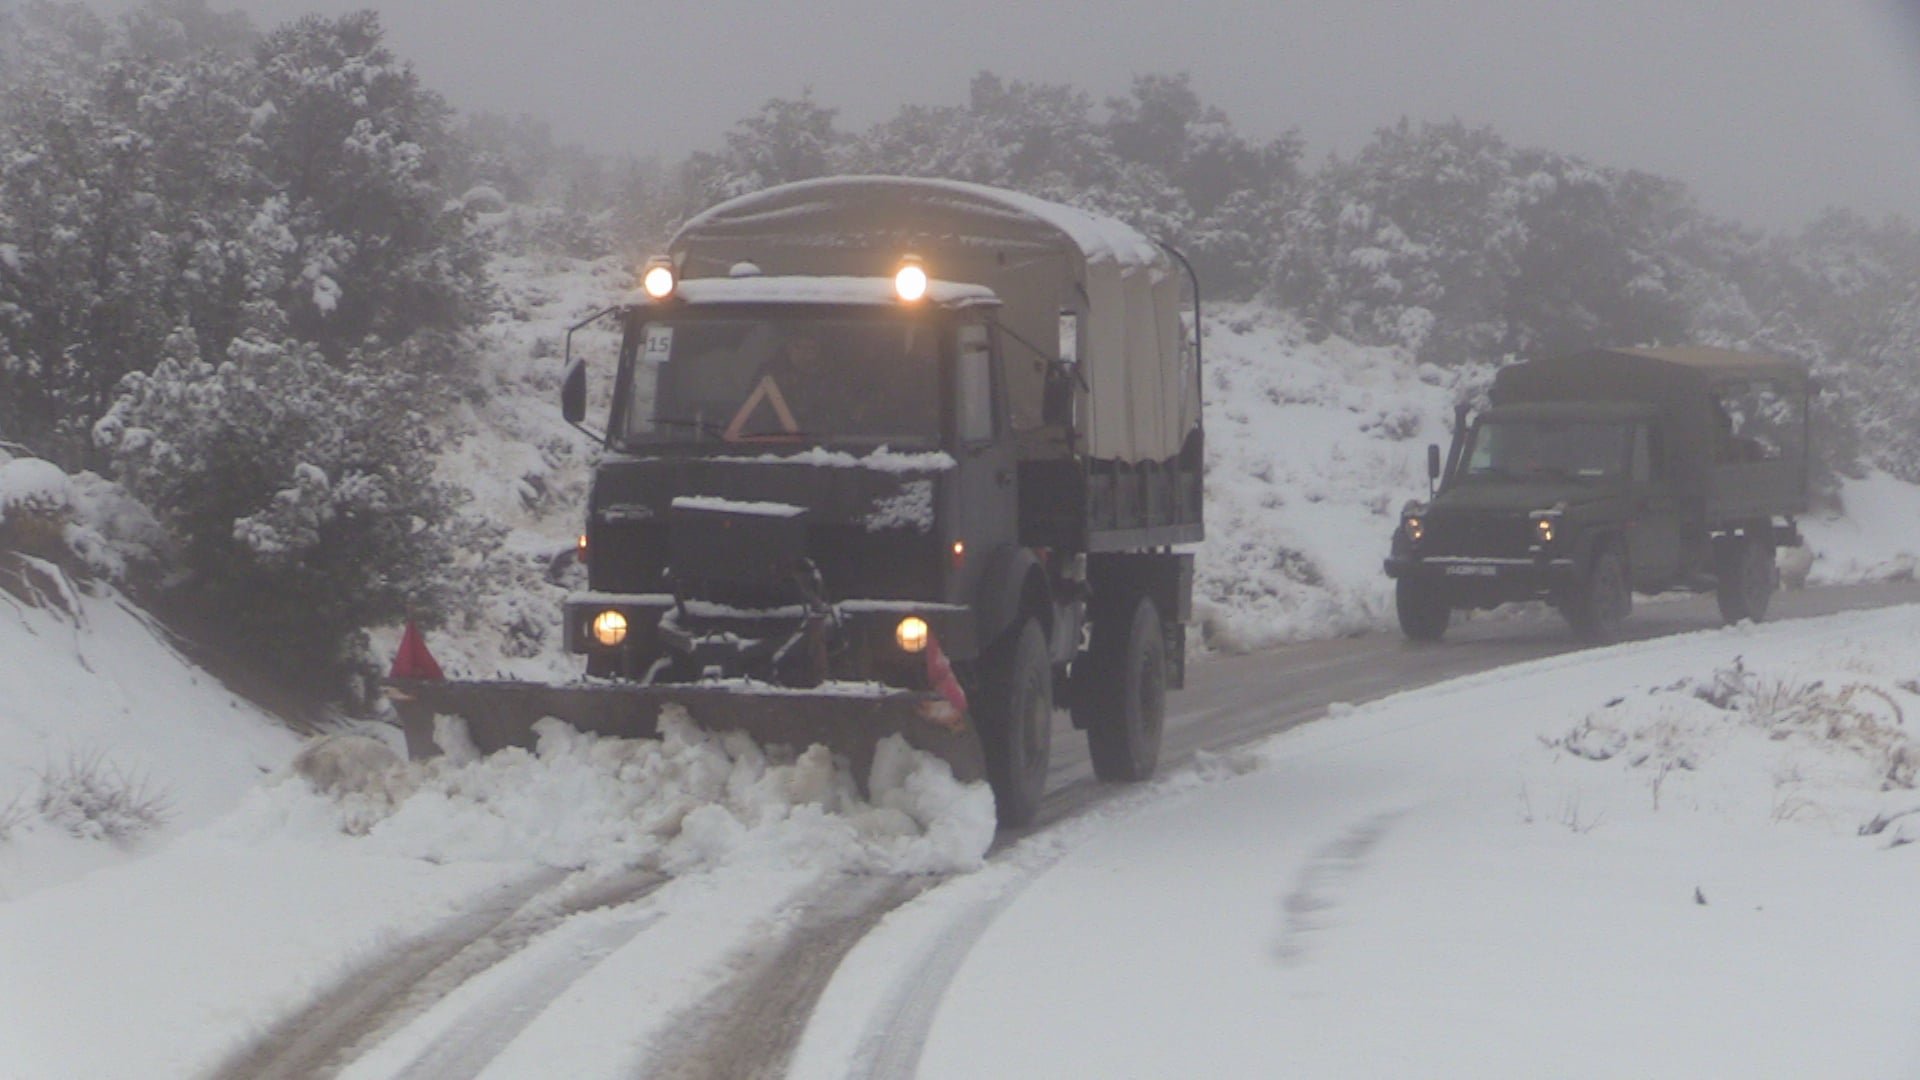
(1311, 451)
(100, 716)
(690, 800)
(1876, 537)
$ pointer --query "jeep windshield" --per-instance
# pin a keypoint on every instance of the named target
(758, 380)
(1535, 449)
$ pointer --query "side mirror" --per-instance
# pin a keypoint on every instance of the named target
(1433, 461)
(573, 393)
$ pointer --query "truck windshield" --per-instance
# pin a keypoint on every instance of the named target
(1533, 449)
(760, 380)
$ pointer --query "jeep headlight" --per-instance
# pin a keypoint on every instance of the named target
(609, 628)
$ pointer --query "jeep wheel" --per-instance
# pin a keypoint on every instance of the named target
(1423, 614)
(1745, 578)
(1122, 701)
(1015, 716)
(1603, 601)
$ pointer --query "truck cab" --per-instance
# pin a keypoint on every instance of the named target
(780, 444)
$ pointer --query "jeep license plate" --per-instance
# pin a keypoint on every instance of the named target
(1472, 570)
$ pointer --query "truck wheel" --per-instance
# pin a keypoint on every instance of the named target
(1123, 703)
(1745, 578)
(1015, 716)
(1423, 615)
(1603, 600)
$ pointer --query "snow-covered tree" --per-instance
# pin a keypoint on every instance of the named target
(83, 261)
(352, 144)
(1594, 265)
(788, 139)
(301, 493)
(1411, 242)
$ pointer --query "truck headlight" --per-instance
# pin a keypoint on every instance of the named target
(911, 634)
(910, 281)
(1416, 528)
(1543, 529)
(657, 279)
(609, 628)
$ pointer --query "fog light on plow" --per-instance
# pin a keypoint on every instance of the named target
(911, 634)
(609, 628)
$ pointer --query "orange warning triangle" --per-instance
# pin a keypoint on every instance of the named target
(766, 393)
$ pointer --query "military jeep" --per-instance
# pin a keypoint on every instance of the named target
(1594, 476)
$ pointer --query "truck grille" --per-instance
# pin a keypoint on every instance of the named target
(1496, 536)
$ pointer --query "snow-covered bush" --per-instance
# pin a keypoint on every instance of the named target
(300, 494)
(91, 798)
(35, 503)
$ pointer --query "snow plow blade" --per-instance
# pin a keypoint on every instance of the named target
(500, 714)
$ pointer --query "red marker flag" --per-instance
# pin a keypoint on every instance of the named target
(940, 676)
(413, 661)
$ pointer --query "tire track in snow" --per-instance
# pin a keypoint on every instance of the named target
(1316, 892)
(368, 1005)
(750, 1026)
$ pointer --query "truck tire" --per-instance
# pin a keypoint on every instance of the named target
(1423, 615)
(1745, 578)
(1123, 701)
(1015, 717)
(1602, 601)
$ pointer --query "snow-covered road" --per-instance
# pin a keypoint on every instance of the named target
(1669, 858)
(1494, 876)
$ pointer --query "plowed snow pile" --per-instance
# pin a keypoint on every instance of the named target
(1823, 741)
(690, 800)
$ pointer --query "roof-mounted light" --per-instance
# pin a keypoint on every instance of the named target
(657, 279)
(910, 281)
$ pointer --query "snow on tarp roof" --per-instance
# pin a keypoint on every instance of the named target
(1097, 238)
(829, 289)
(1719, 362)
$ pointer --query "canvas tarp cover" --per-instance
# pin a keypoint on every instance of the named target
(1142, 394)
(1683, 382)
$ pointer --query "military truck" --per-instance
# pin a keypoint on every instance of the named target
(1597, 475)
(886, 456)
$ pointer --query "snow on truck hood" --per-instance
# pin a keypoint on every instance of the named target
(880, 459)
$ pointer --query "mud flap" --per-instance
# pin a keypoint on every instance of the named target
(500, 714)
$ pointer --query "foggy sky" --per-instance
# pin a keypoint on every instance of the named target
(1770, 109)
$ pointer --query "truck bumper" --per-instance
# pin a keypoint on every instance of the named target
(1484, 582)
(863, 630)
